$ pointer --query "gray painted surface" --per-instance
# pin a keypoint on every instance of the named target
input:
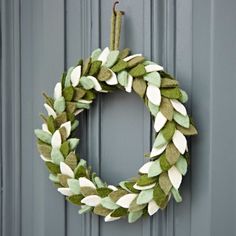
(193, 39)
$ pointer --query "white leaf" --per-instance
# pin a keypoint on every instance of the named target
(45, 158)
(78, 111)
(175, 177)
(75, 76)
(132, 56)
(178, 106)
(144, 187)
(57, 91)
(179, 141)
(154, 94)
(65, 191)
(112, 187)
(126, 200)
(157, 151)
(66, 170)
(97, 86)
(67, 126)
(91, 200)
(84, 182)
(109, 218)
(153, 67)
(160, 121)
(152, 207)
(50, 111)
(84, 101)
(56, 139)
(145, 168)
(45, 128)
(103, 56)
(128, 87)
(113, 80)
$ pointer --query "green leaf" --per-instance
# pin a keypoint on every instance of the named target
(95, 67)
(59, 105)
(89, 95)
(104, 74)
(101, 211)
(181, 120)
(61, 119)
(155, 169)
(80, 171)
(81, 105)
(184, 96)
(65, 148)
(53, 168)
(112, 58)
(173, 93)
(115, 195)
(134, 216)
(86, 83)
(48, 100)
(119, 212)
(71, 160)
(74, 185)
(119, 66)
(70, 107)
(187, 131)
(124, 53)
(134, 207)
(139, 86)
(108, 203)
(165, 183)
(135, 61)
(86, 66)
(123, 78)
(168, 130)
(138, 71)
(104, 192)
(68, 93)
(145, 196)
(54, 178)
(95, 54)
(75, 199)
(78, 93)
(67, 78)
(153, 78)
(160, 140)
(166, 108)
(182, 165)
(87, 191)
(168, 83)
(129, 186)
(172, 153)
(165, 165)
(44, 150)
(43, 136)
(85, 209)
(99, 182)
(176, 195)
(51, 124)
(159, 197)
(144, 180)
(63, 180)
(57, 156)
(154, 109)
(73, 142)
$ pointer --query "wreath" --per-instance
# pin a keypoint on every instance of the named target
(159, 178)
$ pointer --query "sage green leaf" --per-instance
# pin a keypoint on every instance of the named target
(108, 203)
(114, 196)
(74, 125)
(187, 131)
(81, 105)
(104, 74)
(123, 78)
(129, 186)
(135, 61)
(176, 195)
(168, 83)
(87, 191)
(139, 86)
(159, 197)
(44, 150)
(165, 165)
(53, 168)
(166, 108)
(43, 135)
(119, 212)
(104, 192)
(54, 178)
(165, 183)
(99, 182)
(138, 71)
(63, 180)
(119, 66)
(75, 199)
(112, 58)
(182, 165)
(160, 140)
(67, 77)
(59, 105)
(80, 171)
(86, 66)
(144, 180)
(145, 196)
(155, 169)
(153, 78)
(101, 211)
(134, 216)
(136, 207)
(173, 93)
(124, 53)
(74, 185)
(73, 142)
(184, 96)
(65, 148)
(95, 67)
(51, 124)
(68, 93)
(71, 160)
(154, 109)
(85, 209)
(168, 130)
(78, 93)
(181, 120)
(86, 83)
(172, 153)
(95, 54)
(57, 156)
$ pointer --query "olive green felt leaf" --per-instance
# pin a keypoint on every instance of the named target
(172, 153)
(138, 71)
(87, 191)
(112, 58)
(44, 150)
(51, 124)
(57, 156)
(75, 199)
(155, 169)
(115, 195)
(184, 96)
(68, 93)
(182, 165)
(63, 78)
(73, 142)
(70, 107)
(63, 180)
(135, 61)
(78, 93)
(136, 207)
(61, 119)
(165, 183)
(145, 196)
(159, 197)
(80, 171)
(181, 120)
(101, 211)
(160, 140)
(63, 133)
(104, 74)
(153, 78)
(43, 136)
(104, 192)
(168, 130)
(176, 195)
(134, 216)
(124, 53)
(167, 109)
(65, 148)
(108, 203)
(59, 105)
(129, 186)
(71, 160)
(74, 185)
(89, 95)
(119, 66)
(86, 66)
(173, 93)
(187, 131)
(139, 86)
(165, 165)
(168, 83)
(86, 83)
(123, 78)
(154, 109)
(144, 180)
(95, 54)
(48, 100)
(95, 67)
(53, 168)
(119, 212)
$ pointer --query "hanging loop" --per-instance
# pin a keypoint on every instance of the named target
(114, 7)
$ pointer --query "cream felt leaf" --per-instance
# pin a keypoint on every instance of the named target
(113, 80)
(154, 94)
(74, 185)
(128, 87)
(109, 218)
(65, 191)
(50, 111)
(84, 101)
(132, 56)
(144, 187)
(75, 76)
(97, 86)
(145, 196)
(160, 121)
(175, 177)
(67, 126)
(84, 182)
(152, 207)
(56, 139)
(179, 141)
(157, 151)
(58, 90)
(145, 168)
(103, 56)
(112, 187)
(66, 170)
(178, 106)
(92, 200)
(153, 67)
(126, 200)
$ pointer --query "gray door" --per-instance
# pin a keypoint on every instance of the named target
(194, 39)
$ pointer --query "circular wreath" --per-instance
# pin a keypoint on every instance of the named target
(159, 178)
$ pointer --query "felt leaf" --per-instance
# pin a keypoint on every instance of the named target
(138, 187)
(123, 78)
(139, 86)
(101, 211)
(165, 165)
(80, 171)
(175, 177)
(45, 128)
(57, 156)
(75, 76)
(104, 74)
(51, 124)
(176, 195)
(54, 178)
(68, 93)
(178, 106)
(61, 118)
(182, 165)
(168, 130)
(89, 96)
(173, 93)
(128, 88)
(87, 191)
(145, 168)
(157, 151)
(113, 80)
(43, 135)
(153, 94)
(67, 81)
(73, 142)
(95, 67)
(126, 200)
(66, 170)
(92, 200)
(44, 150)
(78, 93)
(153, 78)
(135, 61)
(187, 131)
(62, 131)
(82, 105)
(172, 154)
(84, 182)
(65, 191)
(86, 83)
(75, 199)
(71, 160)
(103, 192)
(154, 67)
(119, 212)
(67, 126)
(74, 185)
(96, 86)
(57, 91)
(152, 207)
(180, 141)
(112, 58)
(132, 56)
(145, 196)
(109, 218)
(70, 107)
(53, 168)
(138, 71)
(95, 54)
(184, 96)
(108, 203)
(155, 169)
(166, 108)
(154, 109)
(103, 56)
(144, 180)
(117, 194)
(84, 209)
(130, 187)
(160, 140)
(119, 66)
(63, 180)
(50, 111)
(134, 207)
(182, 120)
(160, 121)
(124, 53)
(169, 83)
(134, 216)
(99, 182)
(48, 100)
(56, 139)
(159, 197)
(165, 183)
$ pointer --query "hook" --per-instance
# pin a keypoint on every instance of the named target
(114, 7)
